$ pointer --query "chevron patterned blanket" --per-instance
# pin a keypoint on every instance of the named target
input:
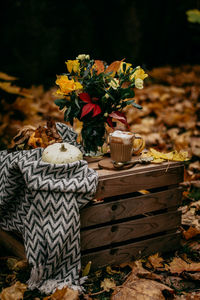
(42, 202)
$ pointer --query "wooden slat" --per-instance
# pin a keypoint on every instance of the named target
(132, 251)
(12, 244)
(106, 235)
(140, 168)
(129, 207)
(123, 183)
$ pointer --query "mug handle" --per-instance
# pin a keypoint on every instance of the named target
(140, 147)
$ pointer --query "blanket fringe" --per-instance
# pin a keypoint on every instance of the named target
(35, 277)
(51, 285)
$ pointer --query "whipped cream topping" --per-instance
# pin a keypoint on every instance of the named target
(124, 136)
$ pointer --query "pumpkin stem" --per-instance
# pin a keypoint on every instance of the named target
(62, 148)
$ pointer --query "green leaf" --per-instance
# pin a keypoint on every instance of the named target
(61, 103)
(124, 67)
(129, 102)
(110, 95)
(66, 114)
(137, 105)
(127, 93)
(76, 102)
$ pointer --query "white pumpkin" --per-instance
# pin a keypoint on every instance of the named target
(61, 153)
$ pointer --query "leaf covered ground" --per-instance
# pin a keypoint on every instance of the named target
(170, 120)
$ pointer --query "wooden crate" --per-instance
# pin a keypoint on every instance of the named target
(127, 224)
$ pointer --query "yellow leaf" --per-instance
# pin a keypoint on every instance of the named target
(7, 87)
(63, 294)
(157, 160)
(14, 292)
(157, 154)
(108, 284)
(12, 89)
(4, 76)
(143, 192)
(110, 271)
(156, 261)
(180, 156)
(98, 273)
(87, 269)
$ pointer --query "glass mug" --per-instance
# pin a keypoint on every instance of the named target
(122, 145)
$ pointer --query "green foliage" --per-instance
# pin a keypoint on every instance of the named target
(194, 194)
(61, 103)
(92, 91)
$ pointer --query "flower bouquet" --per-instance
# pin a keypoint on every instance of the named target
(96, 93)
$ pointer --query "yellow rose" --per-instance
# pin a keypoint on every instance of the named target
(139, 73)
(67, 86)
(73, 65)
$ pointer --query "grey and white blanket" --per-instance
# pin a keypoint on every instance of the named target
(42, 202)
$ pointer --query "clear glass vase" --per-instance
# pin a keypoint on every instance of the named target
(93, 137)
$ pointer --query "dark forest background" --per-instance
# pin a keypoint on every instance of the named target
(38, 36)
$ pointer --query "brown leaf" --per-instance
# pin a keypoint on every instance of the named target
(188, 296)
(195, 146)
(13, 89)
(156, 261)
(11, 263)
(107, 284)
(193, 276)
(20, 265)
(194, 246)
(190, 233)
(140, 289)
(23, 136)
(63, 294)
(139, 271)
(14, 292)
(195, 166)
(44, 136)
(174, 282)
(4, 76)
(114, 66)
(99, 66)
(177, 266)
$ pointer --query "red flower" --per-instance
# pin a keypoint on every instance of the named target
(118, 116)
(85, 97)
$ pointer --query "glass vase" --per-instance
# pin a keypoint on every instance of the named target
(93, 136)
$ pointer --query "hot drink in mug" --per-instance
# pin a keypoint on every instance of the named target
(122, 145)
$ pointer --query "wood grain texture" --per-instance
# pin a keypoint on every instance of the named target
(122, 182)
(135, 169)
(132, 251)
(112, 183)
(132, 206)
(106, 235)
